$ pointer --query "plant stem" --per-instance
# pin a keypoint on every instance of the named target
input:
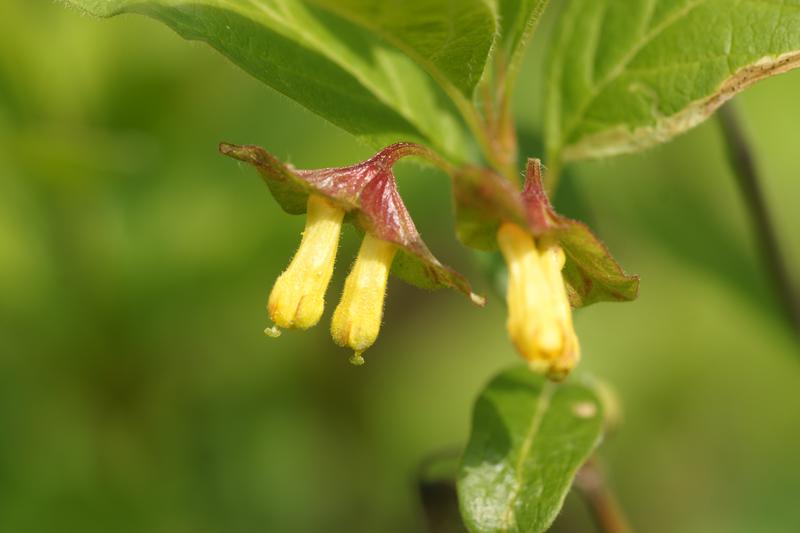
(438, 493)
(606, 512)
(742, 160)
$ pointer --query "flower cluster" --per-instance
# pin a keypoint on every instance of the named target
(298, 298)
(366, 194)
(554, 263)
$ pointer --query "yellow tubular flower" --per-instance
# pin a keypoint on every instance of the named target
(539, 314)
(357, 318)
(298, 297)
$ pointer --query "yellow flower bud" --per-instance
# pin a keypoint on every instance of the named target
(539, 315)
(298, 297)
(357, 319)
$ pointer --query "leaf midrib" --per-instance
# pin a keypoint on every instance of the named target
(403, 110)
(527, 444)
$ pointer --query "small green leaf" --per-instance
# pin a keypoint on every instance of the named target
(624, 76)
(348, 61)
(529, 438)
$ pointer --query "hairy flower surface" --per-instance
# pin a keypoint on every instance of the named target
(366, 195)
(357, 318)
(297, 299)
(539, 315)
(555, 264)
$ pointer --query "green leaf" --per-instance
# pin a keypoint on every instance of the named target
(529, 437)
(450, 39)
(590, 272)
(518, 20)
(348, 61)
(624, 76)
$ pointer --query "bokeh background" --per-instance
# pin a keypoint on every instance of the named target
(138, 394)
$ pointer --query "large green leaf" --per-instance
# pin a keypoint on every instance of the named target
(625, 75)
(384, 71)
(449, 38)
(529, 437)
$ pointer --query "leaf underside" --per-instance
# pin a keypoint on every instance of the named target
(624, 76)
(384, 71)
(529, 438)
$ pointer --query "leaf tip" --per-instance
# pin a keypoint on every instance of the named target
(233, 150)
(477, 299)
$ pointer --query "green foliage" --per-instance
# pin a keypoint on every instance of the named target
(622, 76)
(518, 20)
(384, 71)
(627, 75)
(451, 40)
(529, 437)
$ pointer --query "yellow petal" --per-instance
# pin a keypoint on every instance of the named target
(357, 319)
(539, 315)
(297, 299)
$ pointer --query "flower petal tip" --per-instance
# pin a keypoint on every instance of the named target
(477, 299)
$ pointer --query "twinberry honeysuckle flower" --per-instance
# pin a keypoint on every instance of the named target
(358, 316)
(539, 314)
(554, 263)
(366, 195)
(297, 299)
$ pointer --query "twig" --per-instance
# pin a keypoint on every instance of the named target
(606, 512)
(742, 161)
(438, 494)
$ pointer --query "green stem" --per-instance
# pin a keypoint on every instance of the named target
(606, 512)
(742, 160)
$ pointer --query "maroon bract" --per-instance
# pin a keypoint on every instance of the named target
(485, 201)
(367, 192)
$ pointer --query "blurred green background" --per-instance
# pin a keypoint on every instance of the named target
(138, 394)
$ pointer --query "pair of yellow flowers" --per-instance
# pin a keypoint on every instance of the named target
(539, 314)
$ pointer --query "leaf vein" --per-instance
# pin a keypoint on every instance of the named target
(548, 389)
(620, 67)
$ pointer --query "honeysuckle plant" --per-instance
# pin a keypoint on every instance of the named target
(536, 242)
(434, 80)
